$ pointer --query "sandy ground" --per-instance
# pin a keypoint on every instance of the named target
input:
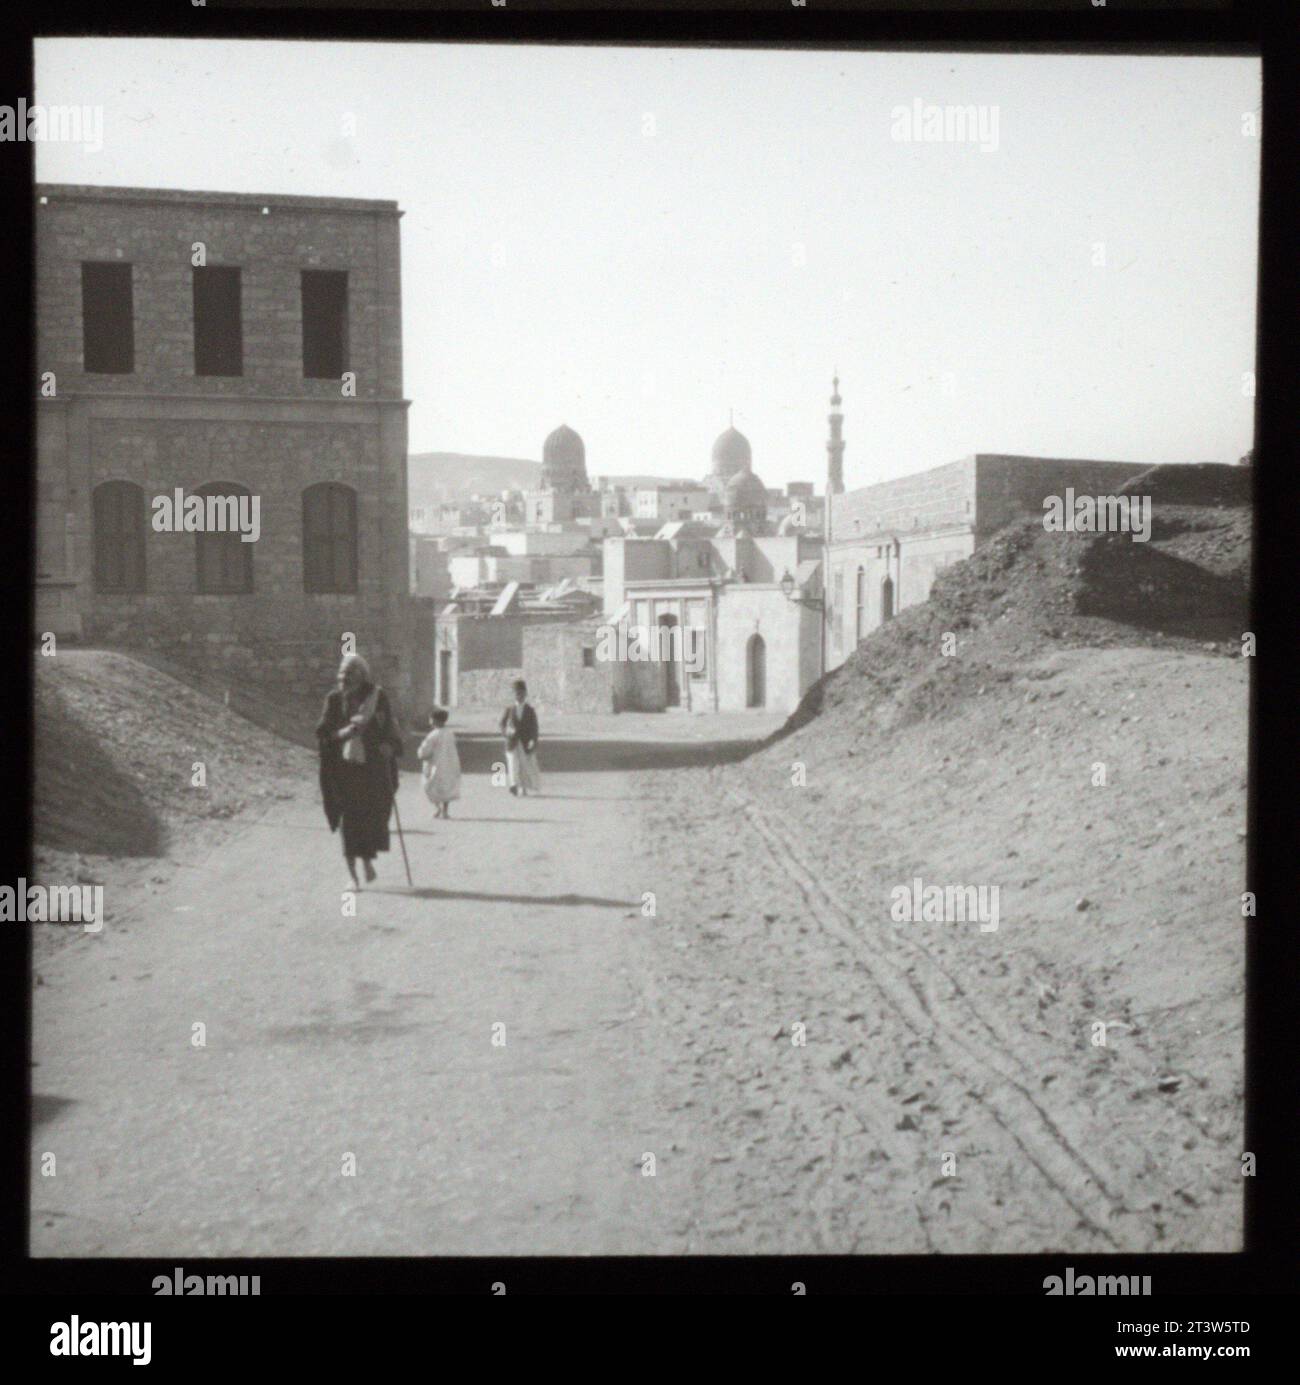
(950, 1096)
(942, 1094)
(327, 1036)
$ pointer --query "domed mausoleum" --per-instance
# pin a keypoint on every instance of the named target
(731, 453)
(746, 504)
(564, 462)
(737, 495)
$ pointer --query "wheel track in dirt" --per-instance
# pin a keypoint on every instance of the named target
(1015, 1111)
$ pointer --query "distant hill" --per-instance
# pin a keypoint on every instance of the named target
(433, 477)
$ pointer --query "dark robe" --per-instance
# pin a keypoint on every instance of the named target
(359, 798)
(520, 725)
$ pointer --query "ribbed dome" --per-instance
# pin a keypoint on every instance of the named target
(731, 453)
(746, 492)
(564, 448)
(564, 461)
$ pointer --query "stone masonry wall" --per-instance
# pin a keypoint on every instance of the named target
(942, 497)
(154, 230)
(556, 674)
(1009, 488)
(270, 430)
(486, 687)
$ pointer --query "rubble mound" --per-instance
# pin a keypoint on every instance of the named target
(116, 746)
(1027, 591)
(1203, 483)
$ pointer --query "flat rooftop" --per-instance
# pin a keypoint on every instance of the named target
(91, 192)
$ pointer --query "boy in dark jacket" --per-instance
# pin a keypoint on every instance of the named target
(519, 725)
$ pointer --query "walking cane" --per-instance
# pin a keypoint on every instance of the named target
(402, 839)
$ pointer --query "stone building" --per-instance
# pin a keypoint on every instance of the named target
(888, 541)
(747, 599)
(885, 543)
(495, 565)
(564, 672)
(431, 557)
(737, 497)
(754, 601)
(234, 346)
(483, 640)
(564, 494)
(667, 501)
(478, 656)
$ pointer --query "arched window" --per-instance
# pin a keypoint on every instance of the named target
(119, 528)
(886, 599)
(224, 562)
(862, 603)
(329, 538)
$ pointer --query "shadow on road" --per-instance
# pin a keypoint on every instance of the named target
(479, 751)
(570, 901)
(438, 831)
(46, 1108)
(578, 798)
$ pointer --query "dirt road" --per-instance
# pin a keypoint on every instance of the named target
(329, 1041)
(708, 1040)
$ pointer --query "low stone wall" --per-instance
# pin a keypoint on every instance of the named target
(1006, 488)
(481, 688)
(558, 674)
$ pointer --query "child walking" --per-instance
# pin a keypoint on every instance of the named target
(440, 764)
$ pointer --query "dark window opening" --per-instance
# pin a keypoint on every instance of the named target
(324, 323)
(218, 326)
(107, 319)
(119, 528)
(225, 561)
(329, 538)
(588, 656)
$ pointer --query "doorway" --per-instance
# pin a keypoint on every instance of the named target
(756, 672)
(667, 651)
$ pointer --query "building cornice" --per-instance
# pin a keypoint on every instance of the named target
(244, 201)
(68, 396)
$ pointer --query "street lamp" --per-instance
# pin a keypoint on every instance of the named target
(814, 603)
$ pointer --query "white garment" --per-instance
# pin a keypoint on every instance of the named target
(522, 770)
(440, 765)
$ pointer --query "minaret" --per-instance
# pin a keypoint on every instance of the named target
(835, 445)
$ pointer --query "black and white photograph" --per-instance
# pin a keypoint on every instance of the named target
(640, 650)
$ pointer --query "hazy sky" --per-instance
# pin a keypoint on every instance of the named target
(633, 241)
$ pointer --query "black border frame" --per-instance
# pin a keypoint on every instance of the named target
(1268, 1265)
